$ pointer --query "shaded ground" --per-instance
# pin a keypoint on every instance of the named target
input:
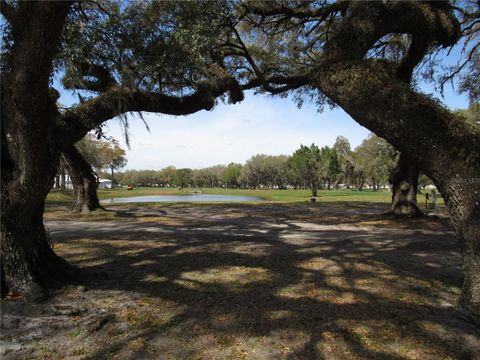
(249, 282)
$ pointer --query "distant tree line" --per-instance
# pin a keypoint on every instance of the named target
(368, 165)
(309, 167)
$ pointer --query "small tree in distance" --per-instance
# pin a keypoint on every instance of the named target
(231, 175)
(306, 163)
(112, 157)
(183, 177)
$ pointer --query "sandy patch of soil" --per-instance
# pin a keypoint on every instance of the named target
(267, 281)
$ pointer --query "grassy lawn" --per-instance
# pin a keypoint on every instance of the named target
(284, 196)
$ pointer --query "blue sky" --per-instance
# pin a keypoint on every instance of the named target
(233, 133)
(229, 133)
(260, 124)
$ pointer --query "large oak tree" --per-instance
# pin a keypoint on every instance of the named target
(334, 51)
(330, 49)
(41, 37)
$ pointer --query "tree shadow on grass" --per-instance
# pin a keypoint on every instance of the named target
(271, 288)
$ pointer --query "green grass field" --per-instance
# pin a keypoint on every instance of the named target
(286, 196)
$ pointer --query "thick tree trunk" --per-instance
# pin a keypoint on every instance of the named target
(63, 180)
(113, 181)
(29, 154)
(28, 260)
(444, 147)
(462, 196)
(28, 168)
(84, 181)
(404, 180)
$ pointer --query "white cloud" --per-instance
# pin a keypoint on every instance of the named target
(232, 133)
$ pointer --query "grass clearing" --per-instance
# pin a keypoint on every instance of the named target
(269, 195)
(58, 197)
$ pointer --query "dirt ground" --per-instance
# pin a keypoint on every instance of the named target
(262, 281)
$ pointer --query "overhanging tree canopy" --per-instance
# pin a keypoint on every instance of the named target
(35, 131)
(335, 51)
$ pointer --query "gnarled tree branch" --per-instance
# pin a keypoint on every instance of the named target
(266, 9)
(104, 79)
(77, 121)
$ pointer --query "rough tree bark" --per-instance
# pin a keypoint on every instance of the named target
(404, 180)
(29, 158)
(376, 93)
(449, 155)
(35, 133)
(84, 181)
(441, 144)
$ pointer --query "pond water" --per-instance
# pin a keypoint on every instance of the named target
(181, 198)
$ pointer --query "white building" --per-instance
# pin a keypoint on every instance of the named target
(104, 184)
